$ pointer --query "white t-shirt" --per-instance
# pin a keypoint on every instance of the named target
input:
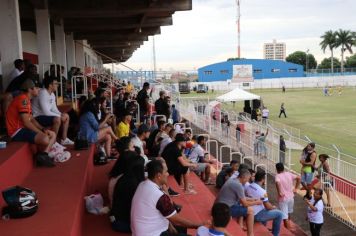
(265, 113)
(14, 73)
(138, 143)
(316, 216)
(146, 219)
(45, 104)
(257, 192)
(204, 231)
(196, 153)
(235, 175)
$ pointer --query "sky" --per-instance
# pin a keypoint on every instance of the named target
(208, 34)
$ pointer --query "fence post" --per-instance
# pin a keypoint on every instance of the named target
(338, 160)
(308, 139)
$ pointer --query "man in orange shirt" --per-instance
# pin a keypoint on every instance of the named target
(22, 127)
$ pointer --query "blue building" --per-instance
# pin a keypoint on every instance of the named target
(253, 68)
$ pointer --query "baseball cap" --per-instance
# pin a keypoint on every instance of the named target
(27, 84)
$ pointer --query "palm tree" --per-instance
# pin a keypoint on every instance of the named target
(344, 38)
(329, 41)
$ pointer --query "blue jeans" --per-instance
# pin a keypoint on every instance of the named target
(275, 215)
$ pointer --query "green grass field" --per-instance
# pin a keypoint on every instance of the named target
(326, 120)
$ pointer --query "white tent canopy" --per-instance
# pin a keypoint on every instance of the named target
(237, 95)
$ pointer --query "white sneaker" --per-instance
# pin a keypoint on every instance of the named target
(67, 141)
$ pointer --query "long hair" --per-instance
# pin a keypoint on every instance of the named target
(90, 106)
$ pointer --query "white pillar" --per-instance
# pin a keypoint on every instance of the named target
(10, 39)
(60, 46)
(70, 50)
(43, 38)
(79, 54)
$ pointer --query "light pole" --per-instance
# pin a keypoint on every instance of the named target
(306, 62)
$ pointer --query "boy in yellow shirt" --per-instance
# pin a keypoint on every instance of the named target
(123, 128)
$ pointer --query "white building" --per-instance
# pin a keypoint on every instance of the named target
(274, 51)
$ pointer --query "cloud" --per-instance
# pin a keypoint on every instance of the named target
(208, 33)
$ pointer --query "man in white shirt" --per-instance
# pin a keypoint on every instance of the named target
(152, 211)
(18, 70)
(267, 211)
(197, 155)
(143, 133)
(265, 115)
(45, 110)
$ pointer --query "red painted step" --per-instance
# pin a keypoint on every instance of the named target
(16, 163)
(60, 191)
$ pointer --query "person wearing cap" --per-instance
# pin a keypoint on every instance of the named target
(21, 126)
(13, 90)
(198, 156)
(45, 110)
(177, 163)
(143, 133)
(123, 128)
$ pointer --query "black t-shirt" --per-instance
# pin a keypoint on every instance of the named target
(141, 97)
(170, 154)
(159, 106)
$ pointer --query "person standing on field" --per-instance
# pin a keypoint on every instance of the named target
(282, 111)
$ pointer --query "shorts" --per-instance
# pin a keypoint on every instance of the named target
(307, 178)
(201, 168)
(24, 135)
(238, 210)
(45, 121)
(286, 207)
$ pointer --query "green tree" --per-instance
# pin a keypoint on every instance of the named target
(327, 63)
(300, 58)
(345, 40)
(329, 41)
(351, 61)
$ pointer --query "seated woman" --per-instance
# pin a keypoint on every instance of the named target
(103, 113)
(127, 155)
(123, 193)
(91, 129)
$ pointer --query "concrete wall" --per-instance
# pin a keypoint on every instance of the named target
(29, 42)
(262, 69)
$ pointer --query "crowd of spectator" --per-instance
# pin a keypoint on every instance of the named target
(147, 143)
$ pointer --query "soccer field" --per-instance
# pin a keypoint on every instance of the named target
(326, 120)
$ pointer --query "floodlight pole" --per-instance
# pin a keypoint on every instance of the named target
(238, 28)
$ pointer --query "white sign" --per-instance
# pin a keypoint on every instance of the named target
(242, 73)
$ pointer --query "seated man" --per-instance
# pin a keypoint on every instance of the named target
(22, 127)
(152, 211)
(197, 156)
(232, 194)
(143, 133)
(12, 89)
(45, 110)
(220, 219)
(177, 163)
(267, 211)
